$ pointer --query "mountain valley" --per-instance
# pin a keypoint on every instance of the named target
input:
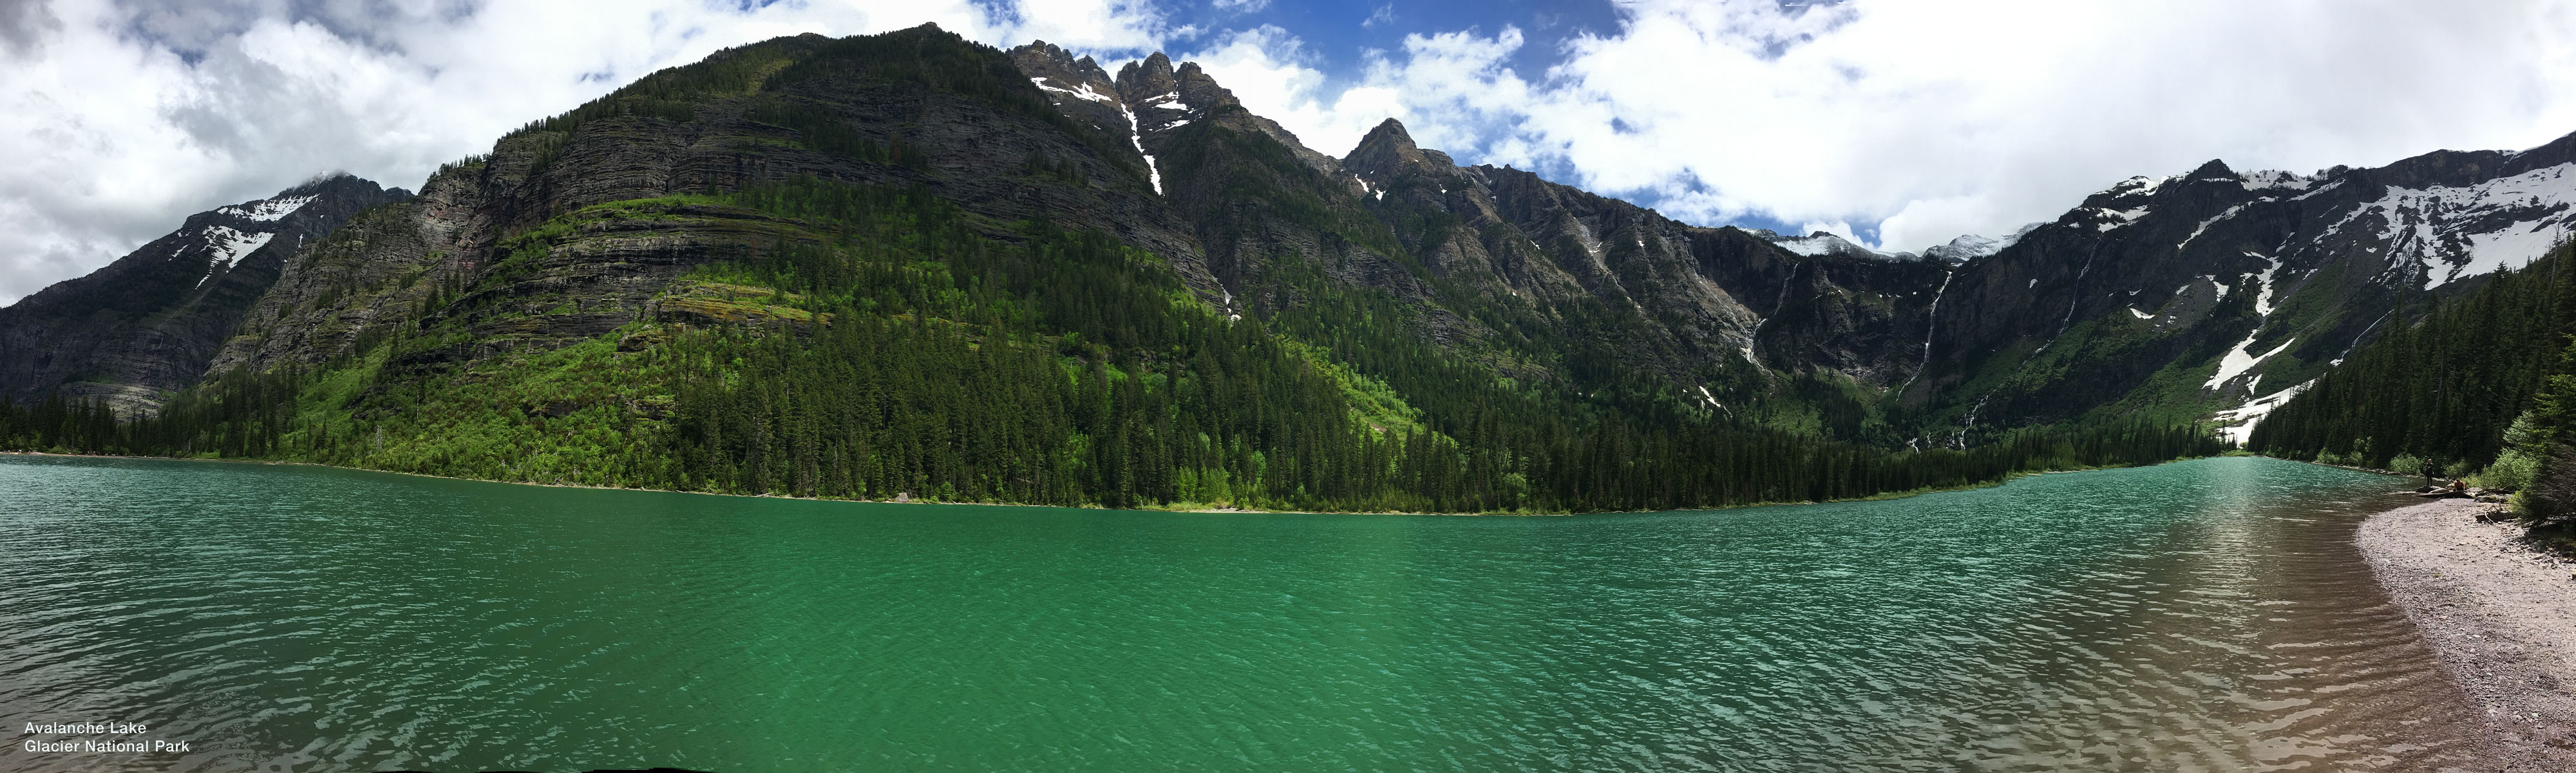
(824, 266)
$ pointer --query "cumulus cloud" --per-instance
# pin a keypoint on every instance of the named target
(1921, 121)
(1899, 123)
(123, 117)
(1273, 74)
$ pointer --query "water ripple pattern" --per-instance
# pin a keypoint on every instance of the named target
(2207, 615)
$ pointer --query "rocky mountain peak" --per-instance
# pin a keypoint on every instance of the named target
(1041, 60)
(1151, 77)
(1079, 88)
(1201, 91)
(1386, 150)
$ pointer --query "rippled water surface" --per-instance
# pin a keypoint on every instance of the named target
(2206, 615)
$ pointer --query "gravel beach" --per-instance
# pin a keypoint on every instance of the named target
(2502, 617)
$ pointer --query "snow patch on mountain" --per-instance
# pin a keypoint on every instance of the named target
(1081, 91)
(2141, 185)
(2270, 179)
(2242, 358)
(2239, 421)
(270, 210)
(2263, 300)
(2108, 219)
(2205, 224)
(227, 246)
(1136, 137)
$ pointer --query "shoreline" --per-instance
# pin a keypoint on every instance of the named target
(2499, 616)
(1879, 497)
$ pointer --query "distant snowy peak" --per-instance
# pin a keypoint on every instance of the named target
(1972, 246)
(217, 241)
(1820, 244)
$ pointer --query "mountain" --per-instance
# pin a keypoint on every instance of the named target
(2216, 289)
(910, 266)
(141, 328)
(2170, 297)
(1532, 279)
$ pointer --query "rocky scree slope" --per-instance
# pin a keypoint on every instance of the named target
(132, 333)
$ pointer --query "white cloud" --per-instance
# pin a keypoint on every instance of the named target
(1269, 70)
(1930, 120)
(1385, 14)
(1916, 121)
(124, 117)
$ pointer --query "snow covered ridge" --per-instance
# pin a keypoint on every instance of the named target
(2462, 232)
(2271, 179)
(269, 209)
(2141, 186)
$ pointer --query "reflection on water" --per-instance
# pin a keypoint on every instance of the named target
(2207, 615)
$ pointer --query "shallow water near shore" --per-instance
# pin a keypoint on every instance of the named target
(2204, 615)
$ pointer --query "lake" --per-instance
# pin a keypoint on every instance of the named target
(2203, 615)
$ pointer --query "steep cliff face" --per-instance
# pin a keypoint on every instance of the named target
(580, 223)
(2217, 289)
(1676, 299)
(146, 325)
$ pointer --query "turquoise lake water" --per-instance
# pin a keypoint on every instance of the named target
(2205, 615)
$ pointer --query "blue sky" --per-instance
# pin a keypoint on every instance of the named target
(1341, 33)
(1900, 122)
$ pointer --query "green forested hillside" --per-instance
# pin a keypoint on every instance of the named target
(886, 346)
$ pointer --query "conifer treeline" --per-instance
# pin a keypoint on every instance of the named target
(1052, 368)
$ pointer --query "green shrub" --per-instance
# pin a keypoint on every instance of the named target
(2552, 493)
(2512, 471)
